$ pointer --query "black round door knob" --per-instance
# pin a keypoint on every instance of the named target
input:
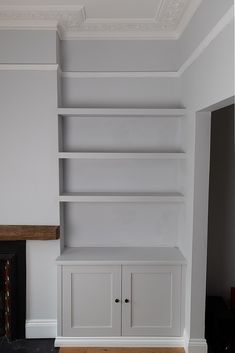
(117, 300)
(127, 300)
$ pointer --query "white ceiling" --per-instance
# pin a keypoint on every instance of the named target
(139, 19)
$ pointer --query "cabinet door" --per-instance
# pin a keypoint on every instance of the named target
(89, 307)
(151, 300)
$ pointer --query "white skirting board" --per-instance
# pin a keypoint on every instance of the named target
(191, 346)
(119, 342)
(48, 329)
(41, 328)
(196, 346)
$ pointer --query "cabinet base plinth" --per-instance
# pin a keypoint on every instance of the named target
(119, 342)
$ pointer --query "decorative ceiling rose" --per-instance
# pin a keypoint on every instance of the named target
(72, 21)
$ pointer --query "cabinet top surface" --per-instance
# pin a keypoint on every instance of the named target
(121, 255)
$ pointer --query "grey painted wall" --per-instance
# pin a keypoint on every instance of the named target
(206, 82)
(205, 18)
(119, 55)
(27, 47)
(29, 175)
(121, 92)
(221, 231)
(210, 79)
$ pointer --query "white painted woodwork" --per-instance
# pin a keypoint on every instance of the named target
(121, 256)
(121, 112)
(121, 184)
(117, 74)
(122, 155)
(154, 298)
(124, 341)
(89, 307)
(121, 197)
(126, 168)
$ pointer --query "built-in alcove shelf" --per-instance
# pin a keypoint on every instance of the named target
(122, 184)
(121, 255)
(29, 232)
(121, 197)
(122, 155)
(122, 112)
(122, 173)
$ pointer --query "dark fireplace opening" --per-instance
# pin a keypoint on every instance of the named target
(12, 289)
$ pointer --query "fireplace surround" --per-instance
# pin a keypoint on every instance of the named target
(12, 289)
(13, 273)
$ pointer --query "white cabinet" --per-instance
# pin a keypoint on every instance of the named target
(121, 300)
(151, 300)
(89, 307)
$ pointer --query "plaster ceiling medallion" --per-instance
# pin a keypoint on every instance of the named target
(101, 19)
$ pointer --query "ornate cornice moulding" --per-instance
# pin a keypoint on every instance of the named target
(61, 18)
(72, 22)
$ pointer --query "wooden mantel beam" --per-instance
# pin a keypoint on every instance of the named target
(28, 232)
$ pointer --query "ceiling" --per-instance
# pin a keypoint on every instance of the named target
(120, 19)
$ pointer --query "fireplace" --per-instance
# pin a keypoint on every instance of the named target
(13, 273)
(12, 289)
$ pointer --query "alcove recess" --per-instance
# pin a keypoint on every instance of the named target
(122, 177)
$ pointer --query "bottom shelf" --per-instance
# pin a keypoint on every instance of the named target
(122, 255)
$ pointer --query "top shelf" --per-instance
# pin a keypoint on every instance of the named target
(133, 112)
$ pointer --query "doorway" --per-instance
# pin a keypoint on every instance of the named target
(220, 313)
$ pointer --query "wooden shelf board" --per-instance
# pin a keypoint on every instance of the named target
(122, 155)
(29, 232)
(122, 255)
(121, 197)
(93, 112)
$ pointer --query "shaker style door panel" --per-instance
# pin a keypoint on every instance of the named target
(90, 300)
(151, 300)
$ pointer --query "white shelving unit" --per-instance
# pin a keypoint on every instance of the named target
(174, 155)
(120, 256)
(121, 197)
(106, 285)
(121, 155)
(172, 113)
